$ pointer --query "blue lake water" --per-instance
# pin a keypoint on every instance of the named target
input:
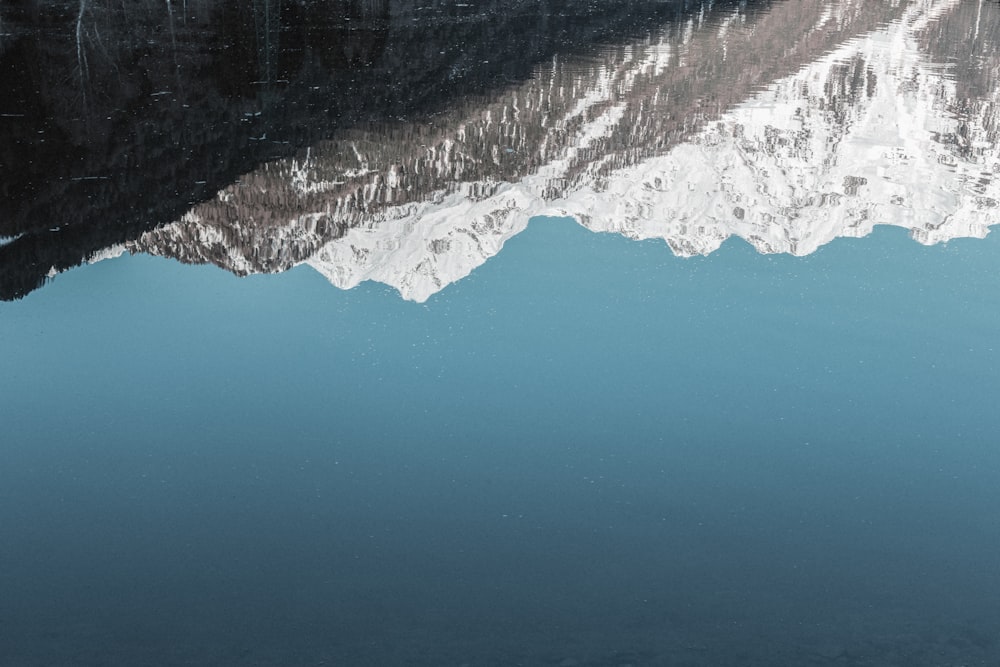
(390, 333)
(589, 450)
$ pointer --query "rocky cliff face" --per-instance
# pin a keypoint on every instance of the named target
(786, 128)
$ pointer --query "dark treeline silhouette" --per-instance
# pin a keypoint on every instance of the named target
(117, 117)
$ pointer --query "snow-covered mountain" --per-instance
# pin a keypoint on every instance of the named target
(789, 128)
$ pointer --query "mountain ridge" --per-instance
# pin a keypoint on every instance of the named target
(847, 142)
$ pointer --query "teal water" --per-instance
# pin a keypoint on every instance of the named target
(589, 450)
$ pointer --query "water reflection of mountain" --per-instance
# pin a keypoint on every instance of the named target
(787, 128)
(117, 117)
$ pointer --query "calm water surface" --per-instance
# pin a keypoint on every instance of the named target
(750, 422)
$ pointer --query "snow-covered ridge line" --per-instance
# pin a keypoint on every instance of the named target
(849, 140)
